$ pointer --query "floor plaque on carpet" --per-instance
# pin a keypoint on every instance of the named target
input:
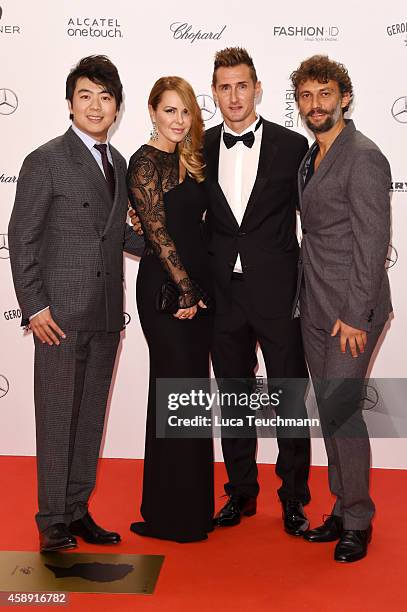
(78, 572)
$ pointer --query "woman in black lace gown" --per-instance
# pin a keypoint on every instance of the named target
(163, 180)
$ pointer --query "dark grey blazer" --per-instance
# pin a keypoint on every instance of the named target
(345, 216)
(66, 237)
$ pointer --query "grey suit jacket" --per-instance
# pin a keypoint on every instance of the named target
(345, 216)
(66, 236)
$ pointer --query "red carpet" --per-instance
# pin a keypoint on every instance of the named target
(253, 567)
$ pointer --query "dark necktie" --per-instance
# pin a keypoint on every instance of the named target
(248, 139)
(107, 167)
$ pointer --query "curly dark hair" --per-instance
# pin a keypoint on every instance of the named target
(320, 68)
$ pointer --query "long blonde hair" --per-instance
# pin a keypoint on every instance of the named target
(190, 152)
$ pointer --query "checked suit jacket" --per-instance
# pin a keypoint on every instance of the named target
(66, 236)
(345, 217)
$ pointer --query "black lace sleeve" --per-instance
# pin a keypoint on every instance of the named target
(147, 194)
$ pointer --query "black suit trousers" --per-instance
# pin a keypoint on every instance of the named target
(234, 356)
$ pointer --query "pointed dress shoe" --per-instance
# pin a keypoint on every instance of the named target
(56, 537)
(88, 530)
(233, 510)
(329, 531)
(352, 545)
(295, 521)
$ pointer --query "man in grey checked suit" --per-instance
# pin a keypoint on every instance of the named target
(67, 233)
(344, 184)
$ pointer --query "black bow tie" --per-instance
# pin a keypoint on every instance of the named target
(248, 139)
(230, 140)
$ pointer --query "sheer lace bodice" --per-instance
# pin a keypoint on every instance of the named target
(151, 174)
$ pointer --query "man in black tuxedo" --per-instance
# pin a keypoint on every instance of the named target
(252, 169)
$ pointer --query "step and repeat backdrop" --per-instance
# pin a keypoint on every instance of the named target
(39, 43)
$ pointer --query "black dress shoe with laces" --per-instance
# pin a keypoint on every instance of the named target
(88, 530)
(232, 511)
(295, 521)
(56, 537)
(329, 531)
(352, 545)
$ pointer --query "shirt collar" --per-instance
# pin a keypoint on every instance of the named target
(87, 140)
(250, 128)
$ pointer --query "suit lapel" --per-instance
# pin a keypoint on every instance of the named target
(325, 165)
(82, 157)
(268, 151)
(212, 160)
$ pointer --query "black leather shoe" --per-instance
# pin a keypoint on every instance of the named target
(353, 545)
(295, 521)
(87, 529)
(56, 537)
(231, 512)
(329, 531)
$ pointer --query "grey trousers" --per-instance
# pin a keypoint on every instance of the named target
(345, 433)
(71, 388)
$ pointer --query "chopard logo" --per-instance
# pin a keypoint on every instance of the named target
(392, 257)
(207, 105)
(5, 178)
(4, 250)
(183, 31)
(8, 101)
(4, 386)
(399, 109)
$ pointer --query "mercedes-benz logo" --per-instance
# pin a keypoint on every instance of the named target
(399, 109)
(126, 318)
(1, 12)
(8, 101)
(207, 105)
(4, 251)
(370, 397)
(392, 257)
(4, 386)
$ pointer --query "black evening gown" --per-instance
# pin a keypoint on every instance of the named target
(177, 499)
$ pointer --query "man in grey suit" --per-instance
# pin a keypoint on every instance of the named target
(344, 184)
(67, 232)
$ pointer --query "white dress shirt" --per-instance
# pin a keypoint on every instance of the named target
(237, 173)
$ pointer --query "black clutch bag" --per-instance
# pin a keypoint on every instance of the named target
(167, 298)
(168, 294)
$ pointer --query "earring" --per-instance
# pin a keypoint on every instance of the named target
(154, 132)
(188, 139)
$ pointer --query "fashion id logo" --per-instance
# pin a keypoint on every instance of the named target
(313, 33)
(185, 31)
(6, 28)
(94, 27)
